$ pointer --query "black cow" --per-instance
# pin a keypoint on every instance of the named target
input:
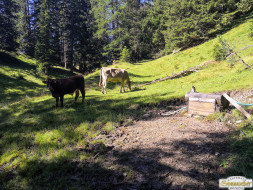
(60, 87)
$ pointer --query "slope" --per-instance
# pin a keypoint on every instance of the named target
(215, 77)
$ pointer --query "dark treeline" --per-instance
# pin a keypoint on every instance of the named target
(83, 34)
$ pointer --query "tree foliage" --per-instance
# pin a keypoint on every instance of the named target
(8, 32)
(83, 34)
(125, 55)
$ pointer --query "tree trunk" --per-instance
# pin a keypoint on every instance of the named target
(46, 69)
(65, 53)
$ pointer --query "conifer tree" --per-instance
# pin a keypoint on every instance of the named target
(43, 49)
(8, 32)
(26, 37)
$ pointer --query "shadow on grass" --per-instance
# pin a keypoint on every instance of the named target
(42, 115)
(62, 173)
(242, 149)
(13, 62)
(56, 72)
(14, 88)
(138, 168)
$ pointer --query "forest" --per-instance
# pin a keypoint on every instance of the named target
(82, 35)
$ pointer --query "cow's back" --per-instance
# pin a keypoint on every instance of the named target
(69, 85)
(115, 74)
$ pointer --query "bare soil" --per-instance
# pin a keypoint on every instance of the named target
(168, 152)
(161, 150)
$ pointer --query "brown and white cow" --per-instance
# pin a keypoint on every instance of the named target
(114, 75)
(60, 87)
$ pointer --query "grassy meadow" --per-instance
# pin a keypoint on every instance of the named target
(39, 144)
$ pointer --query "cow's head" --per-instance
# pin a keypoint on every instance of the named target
(51, 83)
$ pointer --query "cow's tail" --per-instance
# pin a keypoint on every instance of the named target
(100, 77)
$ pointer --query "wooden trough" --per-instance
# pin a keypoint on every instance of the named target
(205, 104)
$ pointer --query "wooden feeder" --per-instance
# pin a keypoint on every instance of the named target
(205, 104)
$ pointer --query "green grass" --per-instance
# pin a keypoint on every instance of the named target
(19, 77)
(39, 143)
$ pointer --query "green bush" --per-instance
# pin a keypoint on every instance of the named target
(125, 55)
(40, 68)
(218, 53)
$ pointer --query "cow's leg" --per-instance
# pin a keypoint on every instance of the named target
(57, 100)
(104, 85)
(77, 94)
(61, 99)
(102, 88)
(83, 95)
(122, 86)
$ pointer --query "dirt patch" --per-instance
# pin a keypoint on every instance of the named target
(164, 150)
(168, 152)
(161, 150)
(243, 96)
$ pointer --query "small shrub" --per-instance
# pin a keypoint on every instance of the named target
(176, 66)
(236, 114)
(39, 68)
(218, 53)
(125, 55)
(227, 162)
(201, 58)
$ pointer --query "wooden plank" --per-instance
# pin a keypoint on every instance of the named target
(201, 100)
(202, 105)
(202, 95)
(201, 108)
(246, 114)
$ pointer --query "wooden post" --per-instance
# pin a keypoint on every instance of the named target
(246, 114)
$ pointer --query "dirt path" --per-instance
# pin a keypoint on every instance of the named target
(169, 153)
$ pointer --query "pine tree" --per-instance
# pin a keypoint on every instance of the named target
(8, 33)
(191, 22)
(120, 23)
(43, 49)
(66, 33)
(26, 37)
(81, 39)
(107, 14)
(132, 25)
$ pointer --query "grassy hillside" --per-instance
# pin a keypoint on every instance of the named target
(216, 77)
(19, 77)
(39, 143)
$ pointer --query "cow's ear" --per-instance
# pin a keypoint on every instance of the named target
(45, 82)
